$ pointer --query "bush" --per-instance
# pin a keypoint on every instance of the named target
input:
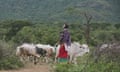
(8, 60)
(10, 63)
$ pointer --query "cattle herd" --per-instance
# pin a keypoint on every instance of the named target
(33, 52)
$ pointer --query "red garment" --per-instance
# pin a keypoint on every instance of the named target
(62, 52)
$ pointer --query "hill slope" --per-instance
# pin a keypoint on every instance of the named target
(55, 10)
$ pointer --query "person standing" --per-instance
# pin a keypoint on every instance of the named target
(66, 37)
(65, 43)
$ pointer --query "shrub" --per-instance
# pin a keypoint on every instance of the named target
(8, 60)
(10, 63)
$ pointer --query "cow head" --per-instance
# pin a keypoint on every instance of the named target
(85, 48)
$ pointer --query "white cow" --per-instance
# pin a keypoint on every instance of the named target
(26, 50)
(77, 50)
(74, 51)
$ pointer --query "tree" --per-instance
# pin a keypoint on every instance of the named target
(88, 18)
(14, 27)
(26, 34)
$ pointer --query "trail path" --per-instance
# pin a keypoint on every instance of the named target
(31, 68)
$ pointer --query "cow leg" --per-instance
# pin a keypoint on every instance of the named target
(31, 58)
(56, 58)
(55, 61)
(71, 58)
(35, 60)
(57, 53)
(26, 58)
(46, 59)
(75, 60)
(21, 59)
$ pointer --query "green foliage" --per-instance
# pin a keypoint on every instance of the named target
(63, 67)
(10, 63)
(102, 67)
(46, 10)
(10, 28)
(48, 33)
(117, 26)
(26, 34)
(116, 34)
(8, 60)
